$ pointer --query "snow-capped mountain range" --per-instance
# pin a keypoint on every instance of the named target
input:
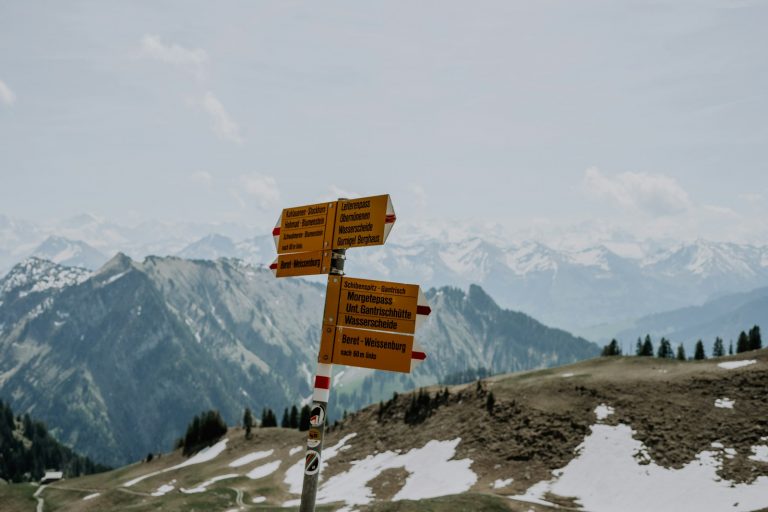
(593, 290)
(116, 361)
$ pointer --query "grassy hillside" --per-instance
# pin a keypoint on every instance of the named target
(542, 422)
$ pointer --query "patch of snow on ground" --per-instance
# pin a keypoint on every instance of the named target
(731, 365)
(294, 451)
(264, 470)
(259, 499)
(91, 496)
(602, 411)
(499, 484)
(760, 453)
(724, 403)
(566, 375)
(605, 476)
(205, 455)
(294, 476)
(163, 489)
(251, 457)
(431, 471)
(204, 486)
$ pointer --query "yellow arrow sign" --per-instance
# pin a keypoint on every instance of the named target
(363, 222)
(371, 323)
(305, 228)
(302, 264)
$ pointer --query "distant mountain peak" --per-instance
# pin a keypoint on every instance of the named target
(37, 274)
(70, 253)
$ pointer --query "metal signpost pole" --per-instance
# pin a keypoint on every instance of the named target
(317, 416)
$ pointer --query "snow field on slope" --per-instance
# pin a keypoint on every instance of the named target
(724, 403)
(732, 365)
(606, 476)
(264, 470)
(432, 473)
(205, 455)
(251, 457)
(204, 486)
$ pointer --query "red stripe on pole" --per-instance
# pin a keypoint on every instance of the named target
(390, 219)
(322, 382)
(423, 310)
(276, 231)
(418, 355)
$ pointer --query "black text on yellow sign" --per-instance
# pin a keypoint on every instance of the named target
(306, 228)
(303, 264)
(378, 305)
(369, 324)
(373, 349)
(362, 222)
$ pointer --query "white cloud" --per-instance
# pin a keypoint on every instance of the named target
(652, 194)
(335, 192)
(223, 124)
(419, 196)
(752, 197)
(7, 97)
(202, 178)
(261, 188)
(192, 60)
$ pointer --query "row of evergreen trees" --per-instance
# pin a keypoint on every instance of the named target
(292, 418)
(27, 450)
(204, 430)
(746, 342)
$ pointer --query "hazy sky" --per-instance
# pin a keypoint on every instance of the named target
(648, 116)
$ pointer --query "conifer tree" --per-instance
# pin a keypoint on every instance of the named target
(730, 348)
(612, 349)
(268, 418)
(286, 421)
(490, 402)
(639, 347)
(755, 342)
(742, 345)
(647, 350)
(717, 349)
(304, 419)
(699, 354)
(680, 352)
(248, 422)
(665, 349)
(294, 422)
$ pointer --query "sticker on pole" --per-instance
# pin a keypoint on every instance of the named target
(313, 438)
(316, 416)
(311, 462)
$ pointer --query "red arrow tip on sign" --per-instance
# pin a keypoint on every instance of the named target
(423, 310)
(276, 231)
(390, 219)
(273, 266)
(418, 355)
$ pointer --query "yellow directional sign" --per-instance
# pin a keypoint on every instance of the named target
(378, 305)
(371, 323)
(302, 264)
(306, 228)
(373, 349)
(362, 222)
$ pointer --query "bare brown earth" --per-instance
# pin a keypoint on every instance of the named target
(539, 419)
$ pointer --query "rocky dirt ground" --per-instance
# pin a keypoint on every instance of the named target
(538, 420)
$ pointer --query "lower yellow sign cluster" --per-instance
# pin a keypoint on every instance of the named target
(369, 324)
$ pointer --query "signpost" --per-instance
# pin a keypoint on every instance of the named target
(370, 324)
